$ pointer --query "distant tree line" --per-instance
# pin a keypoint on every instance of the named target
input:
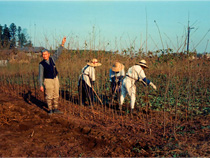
(13, 36)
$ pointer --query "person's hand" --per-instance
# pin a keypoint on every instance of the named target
(63, 41)
(153, 86)
(42, 88)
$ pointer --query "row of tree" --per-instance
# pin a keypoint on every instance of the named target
(13, 36)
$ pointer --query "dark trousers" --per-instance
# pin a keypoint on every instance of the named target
(118, 88)
(85, 92)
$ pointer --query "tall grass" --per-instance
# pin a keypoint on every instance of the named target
(183, 86)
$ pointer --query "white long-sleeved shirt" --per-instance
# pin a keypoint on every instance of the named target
(88, 74)
(136, 72)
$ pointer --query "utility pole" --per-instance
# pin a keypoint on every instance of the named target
(34, 34)
(188, 36)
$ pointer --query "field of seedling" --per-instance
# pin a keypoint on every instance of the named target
(172, 121)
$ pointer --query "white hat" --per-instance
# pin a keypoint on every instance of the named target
(94, 62)
(143, 63)
(117, 67)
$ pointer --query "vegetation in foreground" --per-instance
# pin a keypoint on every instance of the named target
(165, 122)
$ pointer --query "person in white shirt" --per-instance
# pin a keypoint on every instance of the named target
(116, 74)
(135, 73)
(86, 82)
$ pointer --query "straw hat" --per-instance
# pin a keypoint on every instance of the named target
(117, 67)
(143, 63)
(94, 62)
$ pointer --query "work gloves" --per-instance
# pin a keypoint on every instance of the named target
(153, 86)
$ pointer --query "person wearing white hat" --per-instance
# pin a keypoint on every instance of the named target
(116, 74)
(86, 81)
(135, 73)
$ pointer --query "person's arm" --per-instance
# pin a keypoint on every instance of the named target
(92, 75)
(146, 81)
(122, 74)
(41, 77)
(153, 86)
(59, 51)
(110, 75)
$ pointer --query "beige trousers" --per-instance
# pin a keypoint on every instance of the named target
(52, 92)
(128, 86)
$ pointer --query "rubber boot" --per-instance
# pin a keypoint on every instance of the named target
(56, 111)
(131, 111)
(50, 112)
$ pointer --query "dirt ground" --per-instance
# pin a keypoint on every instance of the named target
(26, 130)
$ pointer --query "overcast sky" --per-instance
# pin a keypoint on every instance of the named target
(112, 25)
